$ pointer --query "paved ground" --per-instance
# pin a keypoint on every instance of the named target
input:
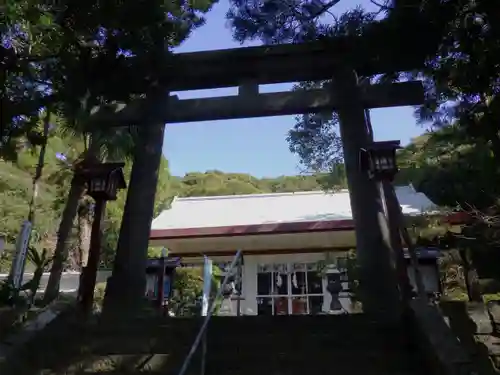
(69, 281)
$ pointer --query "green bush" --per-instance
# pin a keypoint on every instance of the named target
(99, 291)
(491, 297)
(187, 291)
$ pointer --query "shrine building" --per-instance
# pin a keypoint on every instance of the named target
(292, 243)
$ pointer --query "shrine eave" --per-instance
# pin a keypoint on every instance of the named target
(457, 218)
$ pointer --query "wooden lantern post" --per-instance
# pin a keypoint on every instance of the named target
(2, 243)
(103, 182)
(379, 161)
(161, 279)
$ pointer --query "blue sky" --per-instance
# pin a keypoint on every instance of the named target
(257, 146)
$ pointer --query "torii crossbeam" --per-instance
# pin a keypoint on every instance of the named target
(257, 105)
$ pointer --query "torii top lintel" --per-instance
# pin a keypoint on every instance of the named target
(286, 63)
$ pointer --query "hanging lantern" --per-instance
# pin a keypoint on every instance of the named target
(103, 180)
(379, 160)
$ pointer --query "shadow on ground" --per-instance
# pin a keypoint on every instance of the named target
(478, 345)
(278, 345)
(75, 345)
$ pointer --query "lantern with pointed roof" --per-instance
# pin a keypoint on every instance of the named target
(103, 179)
(379, 160)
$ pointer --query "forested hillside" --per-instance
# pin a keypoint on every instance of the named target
(220, 183)
(16, 187)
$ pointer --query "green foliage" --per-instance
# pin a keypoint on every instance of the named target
(188, 289)
(99, 292)
(352, 268)
(16, 186)
(26, 34)
(41, 260)
(74, 56)
(219, 183)
(9, 295)
(450, 170)
(491, 297)
(460, 79)
(459, 172)
(15, 194)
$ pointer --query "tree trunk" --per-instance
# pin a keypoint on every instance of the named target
(66, 225)
(84, 232)
(89, 273)
(490, 123)
(63, 239)
(126, 287)
(40, 165)
(495, 146)
(471, 278)
(395, 222)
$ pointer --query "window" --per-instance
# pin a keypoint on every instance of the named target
(289, 288)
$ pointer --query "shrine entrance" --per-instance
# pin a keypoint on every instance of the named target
(297, 289)
(289, 289)
(340, 61)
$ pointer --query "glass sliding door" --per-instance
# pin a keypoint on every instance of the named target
(289, 289)
(272, 289)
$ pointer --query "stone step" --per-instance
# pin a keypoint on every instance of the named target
(307, 348)
(123, 364)
(212, 328)
(303, 358)
(265, 370)
(307, 367)
(245, 323)
(236, 333)
(261, 319)
(130, 344)
(235, 346)
(222, 337)
(328, 335)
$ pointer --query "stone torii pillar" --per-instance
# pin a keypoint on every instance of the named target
(125, 290)
(378, 279)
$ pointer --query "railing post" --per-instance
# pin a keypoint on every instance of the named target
(240, 286)
(207, 288)
(203, 353)
(207, 285)
(210, 311)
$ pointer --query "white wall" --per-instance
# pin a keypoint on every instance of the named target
(251, 262)
(249, 305)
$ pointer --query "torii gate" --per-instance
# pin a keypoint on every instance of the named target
(339, 59)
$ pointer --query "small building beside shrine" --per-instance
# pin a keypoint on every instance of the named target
(292, 244)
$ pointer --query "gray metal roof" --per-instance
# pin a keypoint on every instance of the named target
(231, 210)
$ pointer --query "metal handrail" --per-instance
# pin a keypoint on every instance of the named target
(204, 326)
